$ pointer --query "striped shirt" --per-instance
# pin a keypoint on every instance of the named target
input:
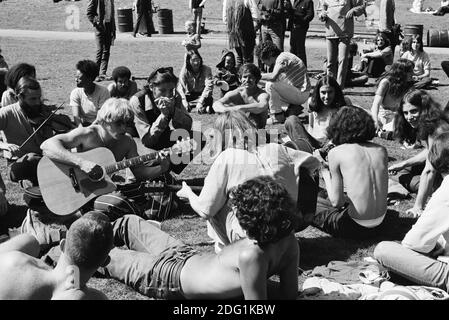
(294, 72)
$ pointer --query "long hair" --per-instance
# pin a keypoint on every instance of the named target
(384, 38)
(403, 131)
(397, 75)
(232, 130)
(235, 12)
(317, 105)
(189, 55)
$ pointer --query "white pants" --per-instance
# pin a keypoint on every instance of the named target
(283, 94)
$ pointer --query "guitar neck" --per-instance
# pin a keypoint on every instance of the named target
(133, 162)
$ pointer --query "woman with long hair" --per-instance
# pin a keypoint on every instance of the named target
(239, 153)
(196, 83)
(416, 173)
(240, 17)
(327, 97)
(391, 87)
(416, 54)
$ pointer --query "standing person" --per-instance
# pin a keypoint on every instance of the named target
(101, 13)
(387, 22)
(197, 7)
(422, 255)
(338, 17)
(421, 72)
(88, 97)
(241, 17)
(144, 11)
(287, 85)
(272, 21)
(356, 178)
(195, 83)
(240, 154)
(192, 40)
(301, 13)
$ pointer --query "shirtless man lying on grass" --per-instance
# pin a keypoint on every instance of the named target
(86, 247)
(162, 267)
(356, 178)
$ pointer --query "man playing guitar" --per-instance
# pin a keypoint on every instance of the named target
(109, 131)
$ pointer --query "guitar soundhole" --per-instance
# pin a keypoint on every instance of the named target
(97, 173)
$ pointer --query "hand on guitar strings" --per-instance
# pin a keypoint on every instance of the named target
(184, 192)
(93, 170)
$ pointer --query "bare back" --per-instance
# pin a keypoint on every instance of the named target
(219, 276)
(24, 277)
(365, 178)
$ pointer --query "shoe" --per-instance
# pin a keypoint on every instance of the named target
(276, 118)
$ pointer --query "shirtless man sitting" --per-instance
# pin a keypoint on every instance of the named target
(86, 248)
(247, 98)
(110, 132)
(358, 168)
(162, 267)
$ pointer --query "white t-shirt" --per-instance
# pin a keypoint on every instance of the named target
(89, 104)
(433, 225)
(235, 166)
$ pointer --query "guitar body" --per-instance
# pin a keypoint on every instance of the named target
(65, 189)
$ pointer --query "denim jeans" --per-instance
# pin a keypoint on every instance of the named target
(337, 59)
(283, 94)
(412, 265)
(244, 54)
(338, 222)
(153, 260)
(103, 40)
(273, 32)
(298, 42)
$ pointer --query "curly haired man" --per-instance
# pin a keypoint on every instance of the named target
(356, 178)
(159, 266)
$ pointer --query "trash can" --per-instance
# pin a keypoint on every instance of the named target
(165, 21)
(125, 19)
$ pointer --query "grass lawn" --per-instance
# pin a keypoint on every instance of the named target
(55, 64)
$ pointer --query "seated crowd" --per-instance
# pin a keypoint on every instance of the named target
(260, 189)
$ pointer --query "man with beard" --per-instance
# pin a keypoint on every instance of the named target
(248, 97)
(18, 122)
(88, 97)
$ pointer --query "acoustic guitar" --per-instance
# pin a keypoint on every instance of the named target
(65, 188)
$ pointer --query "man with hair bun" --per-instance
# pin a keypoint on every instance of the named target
(86, 248)
(356, 178)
